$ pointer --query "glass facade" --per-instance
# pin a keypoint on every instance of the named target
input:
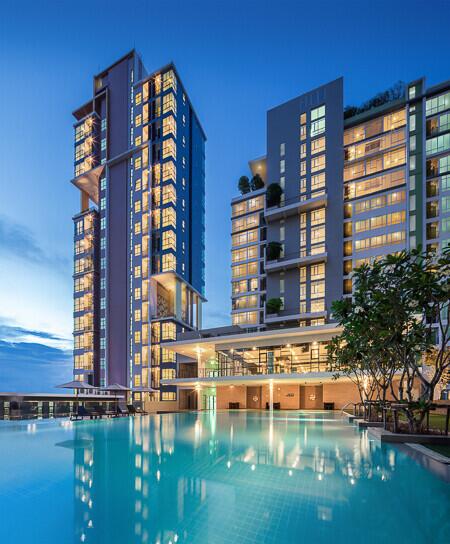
(144, 178)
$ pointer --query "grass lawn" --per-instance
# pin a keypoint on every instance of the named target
(437, 421)
(439, 448)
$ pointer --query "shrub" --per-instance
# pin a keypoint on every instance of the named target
(274, 251)
(273, 195)
(273, 305)
(257, 182)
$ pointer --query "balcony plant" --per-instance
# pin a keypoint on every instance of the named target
(273, 195)
(257, 182)
(244, 185)
(273, 305)
(274, 250)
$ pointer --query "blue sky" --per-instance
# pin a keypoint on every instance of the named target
(237, 59)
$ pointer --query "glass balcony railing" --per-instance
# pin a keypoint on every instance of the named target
(294, 367)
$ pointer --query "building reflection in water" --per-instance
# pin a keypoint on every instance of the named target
(157, 478)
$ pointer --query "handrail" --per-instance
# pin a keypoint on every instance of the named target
(348, 404)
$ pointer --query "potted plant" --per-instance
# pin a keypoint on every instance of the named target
(273, 195)
(257, 182)
(274, 250)
(273, 305)
(244, 185)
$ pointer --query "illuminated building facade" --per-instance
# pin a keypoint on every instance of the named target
(139, 245)
(342, 187)
(355, 184)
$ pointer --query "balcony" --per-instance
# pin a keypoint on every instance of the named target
(295, 260)
(291, 314)
(298, 365)
(294, 206)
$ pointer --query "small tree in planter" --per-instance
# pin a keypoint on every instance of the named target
(273, 305)
(244, 185)
(273, 195)
(257, 182)
(274, 250)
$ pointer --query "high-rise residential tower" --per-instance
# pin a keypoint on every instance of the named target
(139, 236)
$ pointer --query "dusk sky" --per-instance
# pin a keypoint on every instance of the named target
(236, 59)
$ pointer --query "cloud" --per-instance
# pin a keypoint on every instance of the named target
(33, 367)
(18, 241)
(13, 332)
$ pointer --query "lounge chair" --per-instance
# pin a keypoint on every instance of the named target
(122, 411)
(82, 412)
(135, 410)
(100, 410)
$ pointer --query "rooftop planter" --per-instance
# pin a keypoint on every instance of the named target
(396, 92)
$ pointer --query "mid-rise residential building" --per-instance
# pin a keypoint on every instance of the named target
(343, 186)
(139, 245)
(353, 186)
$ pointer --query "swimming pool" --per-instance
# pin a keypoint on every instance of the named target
(213, 477)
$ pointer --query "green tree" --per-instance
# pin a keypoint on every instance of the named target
(273, 194)
(244, 185)
(273, 305)
(256, 182)
(274, 250)
(398, 316)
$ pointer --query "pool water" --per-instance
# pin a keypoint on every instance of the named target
(214, 477)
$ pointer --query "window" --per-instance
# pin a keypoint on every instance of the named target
(168, 395)
(438, 103)
(381, 240)
(168, 331)
(169, 240)
(169, 104)
(138, 99)
(282, 166)
(168, 262)
(138, 120)
(317, 127)
(317, 113)
(169, 149)
(169, 126)
(438, 144)
(318, 181)
(282, 150)
(317, 163)
(318, 145)
(168, 217)
(317, 289)
(375, 184)
(318, 217)
(317, 235)
(317, 271)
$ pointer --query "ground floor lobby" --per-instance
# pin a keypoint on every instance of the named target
(257, 396)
